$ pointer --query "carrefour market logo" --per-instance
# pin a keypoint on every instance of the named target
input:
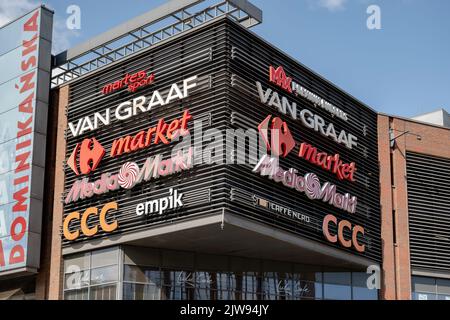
(279, 141)
(86, 156)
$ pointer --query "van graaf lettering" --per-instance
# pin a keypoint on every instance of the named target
(161, 205)
(27, 87)
(131, 108)
(307, 118)
(309, 184)
(153, 168)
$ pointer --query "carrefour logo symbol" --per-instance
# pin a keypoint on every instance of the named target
(281, 141)
(86, 156)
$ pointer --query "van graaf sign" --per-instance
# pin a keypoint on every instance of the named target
(279, 141)
(25, 65)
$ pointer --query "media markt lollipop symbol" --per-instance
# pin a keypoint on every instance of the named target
(128, 174)
(86, 156)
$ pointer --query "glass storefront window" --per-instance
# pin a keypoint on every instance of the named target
(92, 276)
(249, 289)
(82, 294)
(135, 291)
(104, 292)
(105, 257)
(428, 288)
(76, 280)
(360, 291)
(337, 285)
(96, 276)
(443, 288)
(104, 275)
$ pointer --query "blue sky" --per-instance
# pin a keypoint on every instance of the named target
(402, 69)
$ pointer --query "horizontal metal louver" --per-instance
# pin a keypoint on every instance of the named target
(429, 211)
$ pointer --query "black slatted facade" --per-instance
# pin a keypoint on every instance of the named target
(429, 211)
(251, 58)
(229, 60)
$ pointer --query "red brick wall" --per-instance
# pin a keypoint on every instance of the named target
(56, 262)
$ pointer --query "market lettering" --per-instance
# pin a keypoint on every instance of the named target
(163, 132)
(334, 164)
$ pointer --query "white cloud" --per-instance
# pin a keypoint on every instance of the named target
(332, 5)
(62, 36)
(12, 9)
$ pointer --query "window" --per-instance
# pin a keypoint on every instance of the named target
(147, 275)
(360, 291)
(427, 288)
(337, 285)
(92, 276)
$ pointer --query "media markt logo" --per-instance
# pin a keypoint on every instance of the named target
(86, 156)
(131, 174)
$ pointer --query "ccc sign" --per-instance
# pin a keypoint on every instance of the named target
(100, 220)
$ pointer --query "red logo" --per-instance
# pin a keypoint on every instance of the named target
(162, 132)
(87, 155)
(281, 140)
(278, 77)
(133, 82)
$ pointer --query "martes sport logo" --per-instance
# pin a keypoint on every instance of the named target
(133, 82)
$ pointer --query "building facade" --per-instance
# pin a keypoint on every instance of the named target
(197, 216)
(200, 162)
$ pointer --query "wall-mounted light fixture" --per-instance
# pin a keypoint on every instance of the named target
(403, 133)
